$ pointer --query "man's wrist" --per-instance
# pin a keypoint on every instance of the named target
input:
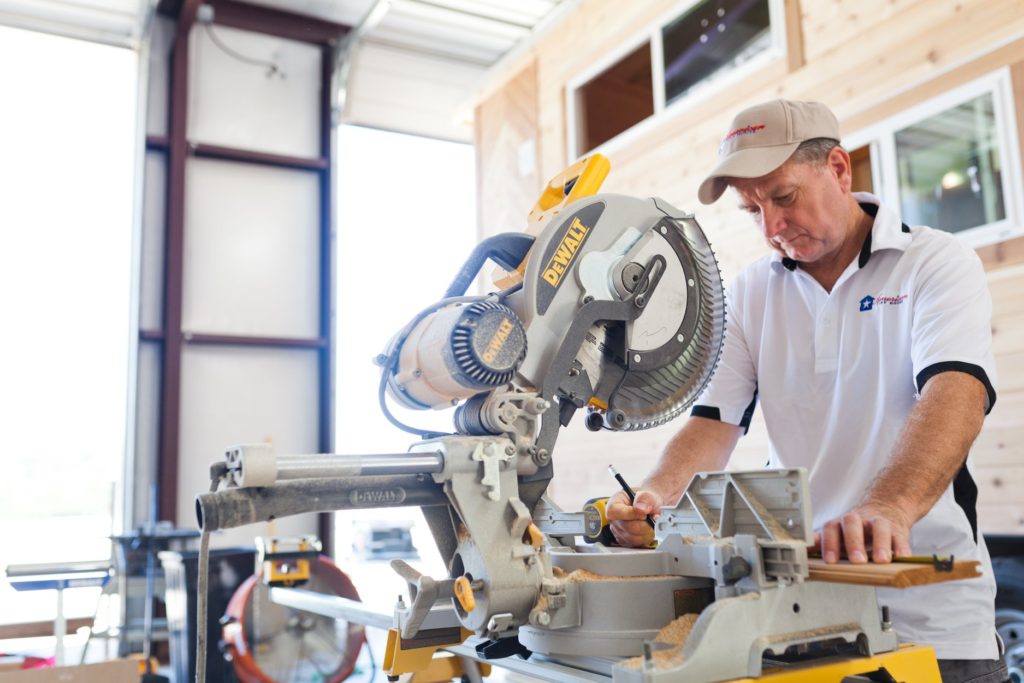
(894, 507)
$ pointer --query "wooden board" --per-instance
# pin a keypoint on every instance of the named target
(895, 575)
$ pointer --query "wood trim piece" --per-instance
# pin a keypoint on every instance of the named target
(1017, 86)
(1007, 253)
(795, 58)
(894, 575)
(262, 158)
(41, 629)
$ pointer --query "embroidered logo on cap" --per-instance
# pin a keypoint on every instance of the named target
(745, 130)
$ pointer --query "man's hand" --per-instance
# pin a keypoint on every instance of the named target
(883, 528)
(629, 522)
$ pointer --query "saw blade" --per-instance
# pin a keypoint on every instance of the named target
(654, 368)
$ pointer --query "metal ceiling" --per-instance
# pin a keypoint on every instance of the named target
(117, 22)
(415, 69)
(476, 32)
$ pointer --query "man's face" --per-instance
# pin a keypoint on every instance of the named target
(801, 208)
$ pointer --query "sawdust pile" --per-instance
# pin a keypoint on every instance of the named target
(675, 634)
(577, 575)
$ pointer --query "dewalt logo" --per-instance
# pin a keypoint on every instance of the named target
(498, 340)
(562, 249)
(565, 253)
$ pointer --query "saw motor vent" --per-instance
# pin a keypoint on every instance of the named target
(487, 345)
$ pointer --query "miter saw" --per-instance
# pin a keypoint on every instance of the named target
(615, 308)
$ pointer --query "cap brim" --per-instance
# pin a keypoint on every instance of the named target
(745, 163)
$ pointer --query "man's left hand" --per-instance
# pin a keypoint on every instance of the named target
(883, 528)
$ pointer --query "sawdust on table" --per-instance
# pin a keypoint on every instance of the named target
(675, 634)
(578, 575)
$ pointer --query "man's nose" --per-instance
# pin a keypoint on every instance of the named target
(773, 221)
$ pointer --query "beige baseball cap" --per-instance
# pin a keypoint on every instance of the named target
(762, 137)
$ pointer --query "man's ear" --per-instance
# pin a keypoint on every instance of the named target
(838, 162)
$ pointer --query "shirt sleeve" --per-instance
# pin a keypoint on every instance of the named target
(952, 323)
(731, 395)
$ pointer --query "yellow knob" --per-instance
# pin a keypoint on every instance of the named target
(533, 536)
(464, 594)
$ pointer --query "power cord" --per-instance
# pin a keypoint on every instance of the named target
(218, 472)
(272, 68)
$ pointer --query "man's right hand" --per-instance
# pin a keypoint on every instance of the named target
(629, 521)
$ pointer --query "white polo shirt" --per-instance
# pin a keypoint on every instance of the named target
(837, 375)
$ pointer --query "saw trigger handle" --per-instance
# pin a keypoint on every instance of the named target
(580, 180)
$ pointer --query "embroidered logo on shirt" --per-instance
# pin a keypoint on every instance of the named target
(869, 302)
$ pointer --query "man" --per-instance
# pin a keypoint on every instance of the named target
(869, 345)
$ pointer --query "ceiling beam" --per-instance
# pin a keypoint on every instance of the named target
(266, 20)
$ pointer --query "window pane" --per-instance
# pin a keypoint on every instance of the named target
(619, 98)
(860, 162)
(66, 169)
(710, 37)
(950, 172)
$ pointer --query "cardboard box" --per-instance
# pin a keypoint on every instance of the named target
(114, 671)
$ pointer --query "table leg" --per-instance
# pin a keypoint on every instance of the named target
(60, 627)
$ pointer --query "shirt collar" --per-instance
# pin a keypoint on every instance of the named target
(888, 232)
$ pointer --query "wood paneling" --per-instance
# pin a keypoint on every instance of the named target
(506, 147)
(867, 59)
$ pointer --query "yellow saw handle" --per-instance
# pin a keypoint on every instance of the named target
(581, 179)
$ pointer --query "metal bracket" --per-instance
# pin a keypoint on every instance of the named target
(424, 593)
(492, 455)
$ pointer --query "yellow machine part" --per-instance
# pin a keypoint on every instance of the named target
(444, 669)
(464, 594)
(908, 664)
(420, 660)
(285, 572)
(582, 179)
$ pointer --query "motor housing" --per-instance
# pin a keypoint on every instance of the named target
(457, 352)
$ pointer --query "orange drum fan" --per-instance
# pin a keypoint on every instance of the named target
(270, 643)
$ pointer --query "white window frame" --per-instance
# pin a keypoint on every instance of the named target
(882, 141)
(662, 112)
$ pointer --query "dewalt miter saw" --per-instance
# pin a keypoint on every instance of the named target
(616, 308)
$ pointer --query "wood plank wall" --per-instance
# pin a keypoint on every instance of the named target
(867, 59)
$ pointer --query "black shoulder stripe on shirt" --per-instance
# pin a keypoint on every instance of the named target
(713, 413)
(965, 493)
(708, 412)
(971, 369)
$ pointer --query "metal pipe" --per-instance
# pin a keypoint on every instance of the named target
(321, 466)
(334, 606)
(233, 507)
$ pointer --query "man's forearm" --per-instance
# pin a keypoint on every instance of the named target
(932, 446)
(702, 444)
